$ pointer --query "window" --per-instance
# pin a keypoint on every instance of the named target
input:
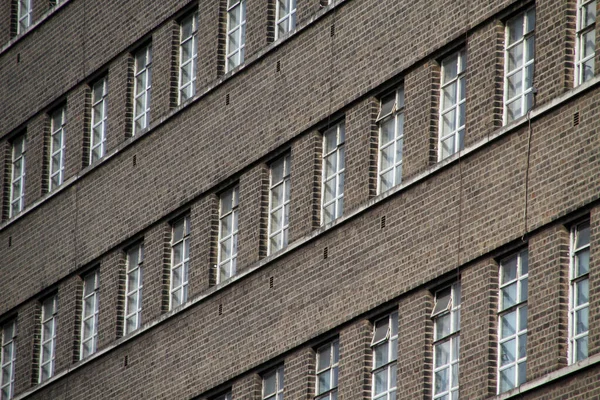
(48, 338)
(286, 17)
(9, 356)
(334, 162)
(226, 396)
(327, 371)
(23, 15)
(279, 204)
(452, 105)
(17, 184)
(518, 65)
(142, 89)
(89, 314)
(579, 292)
(273, 385)
(512, 322)
(188, 55)
(236, 33)
(57, 147)
(446, 345)
(228, 234)
(585, 42)
(385, 354)
(180, 256)
(133, 289)
(391, 136)
(98, 126)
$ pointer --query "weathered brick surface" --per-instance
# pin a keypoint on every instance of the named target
(355, 361)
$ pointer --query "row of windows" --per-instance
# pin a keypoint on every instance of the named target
(512, 323)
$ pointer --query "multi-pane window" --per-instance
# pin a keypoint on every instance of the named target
(334, 165)
(452, 105)
(48, 338)
(273, 385)
(579, 292)
(512, 322)
(180, 257)
(328, 357)
(236, 34)
(89, 314)
(188, 55)
(142, 88)
(391, 137)
(446, 322)
(585, 46)
(385, 354)
(518, 65)
(17, 185)
(57, 147)
(8, 357)
(286, 17)
(279, 204)
(228, 234)
(98, 126)
(133, 289)
(23, 15)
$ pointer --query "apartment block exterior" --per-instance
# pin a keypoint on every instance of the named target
(300, 199)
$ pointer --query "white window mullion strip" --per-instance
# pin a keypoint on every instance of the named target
(57, 148)
(452, 105)
(327, 371)
(391, 140)
(579, 292)
(24, 10)
(519, 65)
(180, 256)
(279, 204)
(133, 288)
(7, 360)
(89, 319)
(585, 41)
(228, 234)
(273, 385)
(98, 125)
(17, 186)
(142, 89)
(385, 355)
(48, 338)
(286, 17)
(512, 322)
(334, 167)
(236, 34)
(188, 55)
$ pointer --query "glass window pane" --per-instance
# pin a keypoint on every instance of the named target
(381, 381)
(582, 261)
(508, 324)
(581, 292)
(508, 352)
(442, 353)
(509, 296)
(581, 348)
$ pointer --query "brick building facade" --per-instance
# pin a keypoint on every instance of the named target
(249, 200)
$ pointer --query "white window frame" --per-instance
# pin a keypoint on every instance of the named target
(395, 116)
(178, 291)
(389, 338)
(17, 197)
(285, 18)
(239, 30)
(142, 78)
(136, 292)
(226, 267)
(456, 86)
(98, 125)
(338, 154)
(575, 279)
(187, 90)
(24, 11)
(279, 382)
(57, 150)
(48, 341)
(580, 32)
(9, 334)
(450, 312)
(89, 314)
(330, 350)
(278, 233)
(518, 307)
(525, 93)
